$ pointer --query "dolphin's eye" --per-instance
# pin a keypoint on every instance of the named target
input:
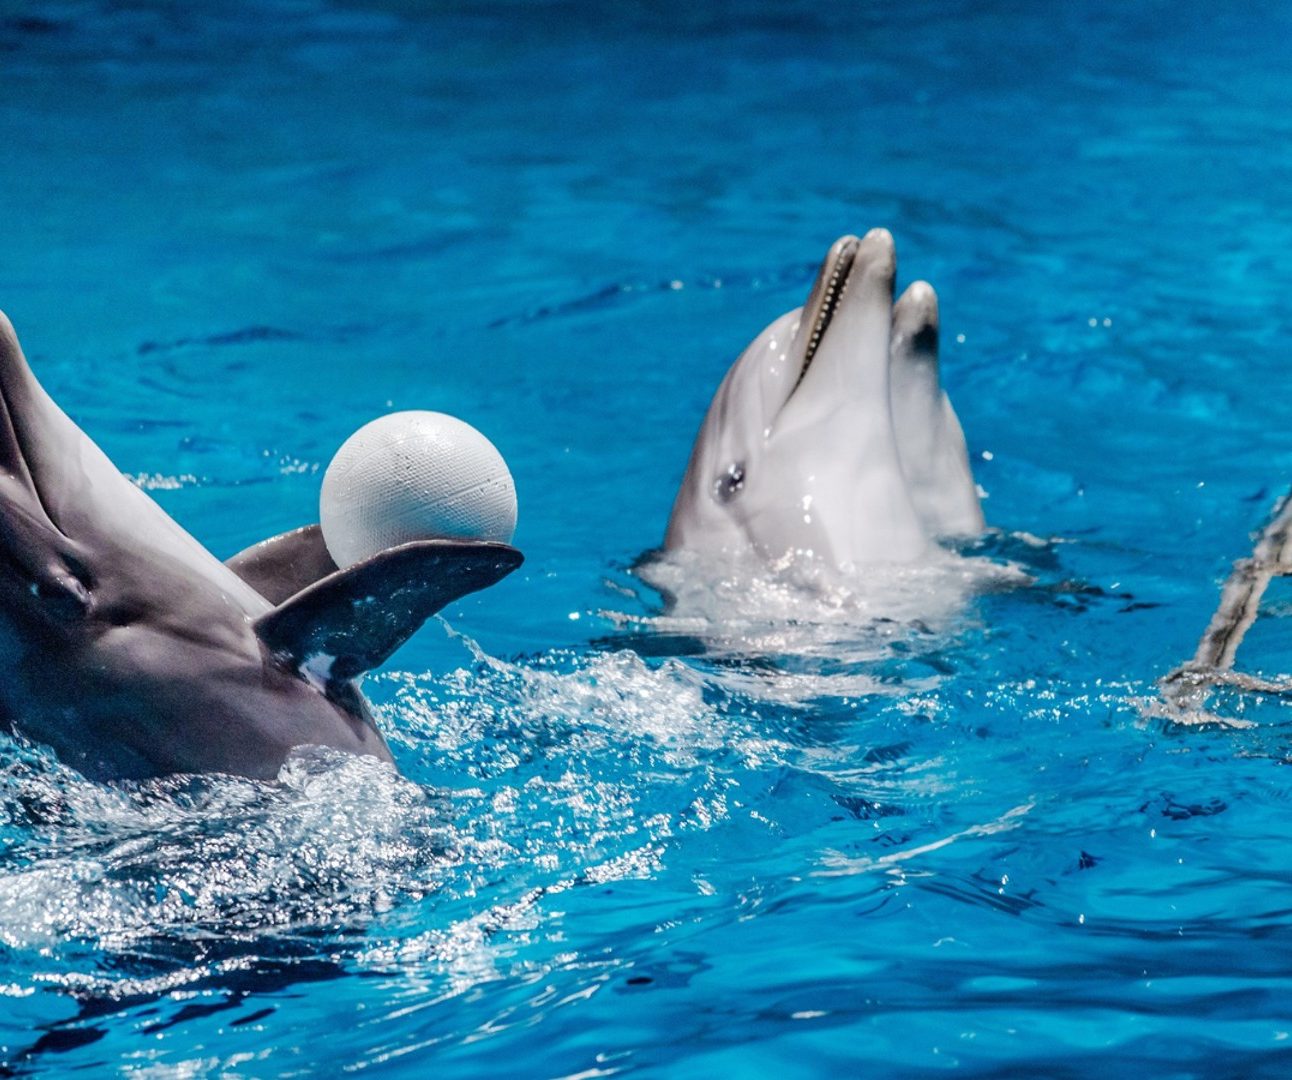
(728, 484)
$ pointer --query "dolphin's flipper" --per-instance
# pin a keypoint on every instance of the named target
(930, 442)
(350, 621)
(284, 564)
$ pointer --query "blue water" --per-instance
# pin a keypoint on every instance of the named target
(776, 837)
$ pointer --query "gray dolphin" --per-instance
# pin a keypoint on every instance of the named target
(133, 651)
(831, 436)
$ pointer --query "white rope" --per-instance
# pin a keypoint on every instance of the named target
(1187, 687)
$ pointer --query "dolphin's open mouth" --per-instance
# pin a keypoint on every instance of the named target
(823, 301)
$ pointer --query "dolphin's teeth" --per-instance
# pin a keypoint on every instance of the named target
(831, 295)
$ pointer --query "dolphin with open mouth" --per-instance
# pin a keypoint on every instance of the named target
(831, 437)
(133, 651)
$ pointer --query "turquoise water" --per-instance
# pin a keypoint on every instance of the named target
(773, 834)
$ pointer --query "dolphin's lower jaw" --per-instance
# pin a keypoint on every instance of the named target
(834, 423)
(848, 508)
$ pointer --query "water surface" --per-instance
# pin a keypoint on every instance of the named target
(775, 835)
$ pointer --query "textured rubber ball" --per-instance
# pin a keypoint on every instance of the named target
(414, 476)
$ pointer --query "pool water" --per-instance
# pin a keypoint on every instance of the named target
(932, 823)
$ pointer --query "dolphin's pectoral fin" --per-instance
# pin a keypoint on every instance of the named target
(915, 327)
(350, 621)
(285, 564)
(930, 441)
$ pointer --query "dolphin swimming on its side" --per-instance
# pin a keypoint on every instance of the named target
(132, 651)
(831, 437)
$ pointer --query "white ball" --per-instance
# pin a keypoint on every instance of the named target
(414, 476)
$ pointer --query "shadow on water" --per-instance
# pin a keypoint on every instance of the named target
(234, 973)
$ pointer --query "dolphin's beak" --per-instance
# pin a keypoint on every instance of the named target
(841, 343)
(823, 299)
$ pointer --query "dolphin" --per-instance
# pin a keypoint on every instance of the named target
(831, 437)
(132, 651)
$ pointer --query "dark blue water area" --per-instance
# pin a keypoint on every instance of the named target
(777, 836)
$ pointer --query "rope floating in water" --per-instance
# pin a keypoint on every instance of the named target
(1186, 688)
